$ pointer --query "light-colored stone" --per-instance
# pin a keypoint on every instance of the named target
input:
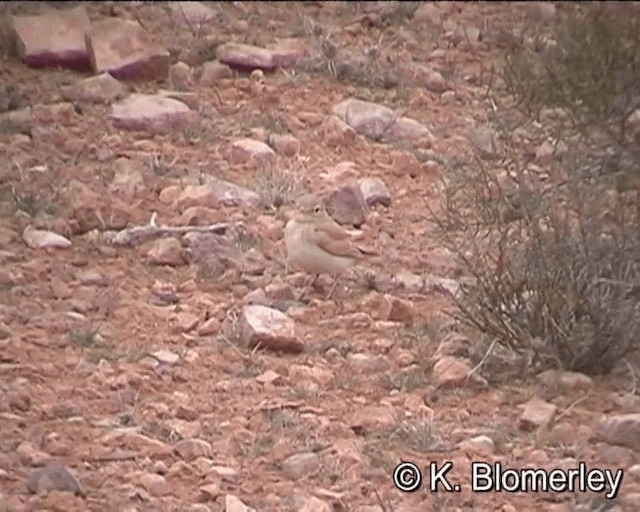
(373, 418)
(375, 191)
(347, 205)
(456, 372)
(191, 449)
(314, 504)
(126, 50)
(269, 328)
(166, 251)
(366, 118)
(96, 89)
(245, 150)
(231, 194)
(284, 144)
(622, 430)
(155, 484)
(180, 75)
(55, 38)
(245, 57)
(41, 239)
(234, 504)
(537, 413)
(300, 464)
(478, 446)
(151, 113)
(565, 381)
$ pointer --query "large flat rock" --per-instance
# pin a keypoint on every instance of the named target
(125, 50)
(152, 113)
(53, 39)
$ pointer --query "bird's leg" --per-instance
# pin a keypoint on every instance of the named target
(333, 287)
(307, 287)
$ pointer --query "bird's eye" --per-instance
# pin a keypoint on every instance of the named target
(317, 209)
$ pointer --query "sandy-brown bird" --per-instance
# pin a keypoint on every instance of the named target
(319, 245)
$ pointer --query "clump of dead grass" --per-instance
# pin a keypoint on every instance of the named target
(556, 263)
(279, 183)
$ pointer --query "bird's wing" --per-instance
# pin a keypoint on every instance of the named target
(331, 242)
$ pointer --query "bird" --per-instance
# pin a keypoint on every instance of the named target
(318, 244)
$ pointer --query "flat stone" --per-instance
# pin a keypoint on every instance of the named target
(366, 118)
(96, 89)
(245, 150)
(126, 50)
(270, 329)
(621, 429)
(42, 239)
(151, 113)
(536, 413)
(454, 372)
(245, 57)
(53, 39)
(231, 194)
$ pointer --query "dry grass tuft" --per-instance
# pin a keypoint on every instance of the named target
(556, 262)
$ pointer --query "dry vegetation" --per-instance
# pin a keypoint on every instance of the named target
(555, 252)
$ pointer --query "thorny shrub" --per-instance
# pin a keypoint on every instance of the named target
(554, 257)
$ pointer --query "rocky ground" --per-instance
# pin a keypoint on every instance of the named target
(180, 372)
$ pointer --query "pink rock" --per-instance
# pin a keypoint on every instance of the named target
(409, 130)
(289, 52)
(347, 205)
(245, 57)
(126, 51)
(54, 39)
(244, 150)
(366, 118)
(285, 144)
(375, 191)
(230, 194)
(97, 89)
(151, 113)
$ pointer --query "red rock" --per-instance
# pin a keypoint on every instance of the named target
(151, 113)
(126, 51)
(54, 39)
